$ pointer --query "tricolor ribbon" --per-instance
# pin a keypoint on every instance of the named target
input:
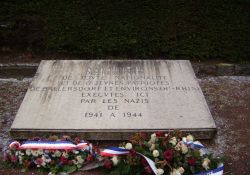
(195, 145)
(198, 145)
(217, 171)
(115, 151)
(48, 145)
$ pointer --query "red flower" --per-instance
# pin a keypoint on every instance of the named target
(90, 158)
(148, 170)
(168, 155)
(77, 140)
(107, 164)
(192, 161)
(132, 153)
(144, 162)
(39, 161)
(144, 135)
(64, 160)
(97, 150)
(160, 134)
(13, 159)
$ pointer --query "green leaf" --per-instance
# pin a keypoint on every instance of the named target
(69, 168)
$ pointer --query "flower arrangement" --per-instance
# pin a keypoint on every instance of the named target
(161, 153)
(53, 154)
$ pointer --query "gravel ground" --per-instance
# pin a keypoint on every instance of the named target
(228, 98)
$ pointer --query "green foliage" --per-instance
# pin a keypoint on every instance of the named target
(69, 169)
(138, 28)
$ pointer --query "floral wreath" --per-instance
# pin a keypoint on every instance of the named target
(159, 153)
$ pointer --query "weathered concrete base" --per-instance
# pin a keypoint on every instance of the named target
(105, 134)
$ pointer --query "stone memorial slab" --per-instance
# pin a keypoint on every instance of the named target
(112, 99)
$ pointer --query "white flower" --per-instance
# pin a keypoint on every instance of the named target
(205, 163)
(149, 143)
(184, 148)
(43, 157)
(28, 152)
(17, 153)
(190, 138)
(159, 171)
(184, 139)
(202, 152)
(76, 152)
(65, 154)
(153, 138)
(153, 135)
(20, 159)
(40, 152)
(75, 162)
(152, 147)
(156, 153)
(173, 141)
(43, 164)
(175, 172)
(34, 153)
(79, 159)
(178, 146)
(57, 153)
(48, 160)
(166, 135)
(50, 173)
(115, 160)
(180, 170)
(129, 146)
